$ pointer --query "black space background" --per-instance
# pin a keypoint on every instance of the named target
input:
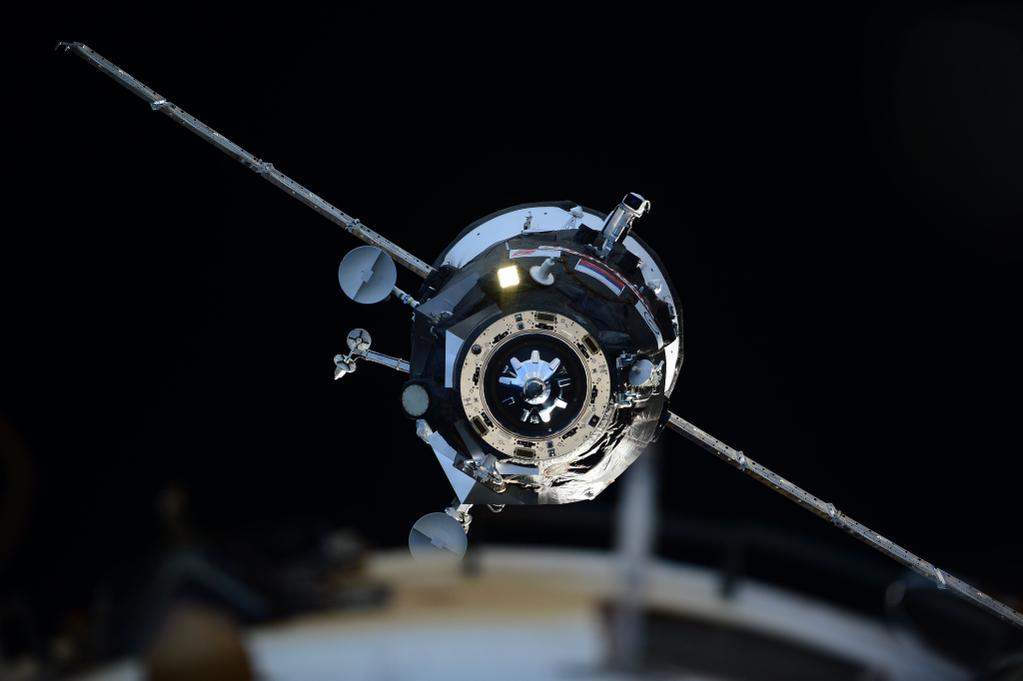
(836, 193)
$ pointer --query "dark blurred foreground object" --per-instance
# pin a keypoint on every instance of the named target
(20, 643)
(253, 580)
(198, 644)
(15, 489)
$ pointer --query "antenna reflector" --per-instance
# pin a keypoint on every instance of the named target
(359, 341)
(367, 275)
(437, 535)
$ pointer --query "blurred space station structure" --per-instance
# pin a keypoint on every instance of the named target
(558, 606)
(545, 345)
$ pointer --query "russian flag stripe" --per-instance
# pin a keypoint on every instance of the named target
(602, 274)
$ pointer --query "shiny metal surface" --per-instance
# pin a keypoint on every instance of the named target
(560, 444)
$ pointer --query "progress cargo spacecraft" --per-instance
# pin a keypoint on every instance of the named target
(546, 341)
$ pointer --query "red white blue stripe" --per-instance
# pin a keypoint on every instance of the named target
(604, 275)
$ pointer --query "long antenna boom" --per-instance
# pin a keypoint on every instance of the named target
(262, 168)
(828, 511)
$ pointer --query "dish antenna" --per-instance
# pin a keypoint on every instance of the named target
(437, 534)
(367, 275)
